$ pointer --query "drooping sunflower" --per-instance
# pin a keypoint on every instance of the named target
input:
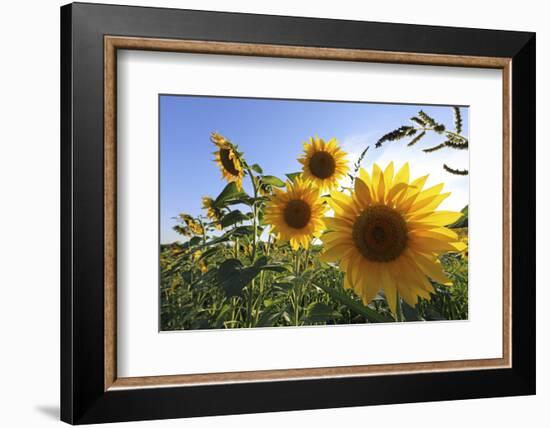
(324, 163)
(192, 224)
(296, 213)
(212, 211)
(228, 160)
(201, 262)
(388, 235)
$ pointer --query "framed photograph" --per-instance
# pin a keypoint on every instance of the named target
(266, 213)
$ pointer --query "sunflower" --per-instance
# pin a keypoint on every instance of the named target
(387, 234)
(193, 225)
(212, 211)
(183, 230)
(324, 163)
(296, 213)
(228, 160)
(202, 263)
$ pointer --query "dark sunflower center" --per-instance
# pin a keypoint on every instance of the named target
(227, 162)
(380, 233)
(297, 214)
(322, 165)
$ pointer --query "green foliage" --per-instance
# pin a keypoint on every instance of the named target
(356, 306)
(461, 222)
(455, 171)
(320, 313)
(273, 181)
(416, 139)
(458, 120)
(257, 168)
(224, 276)
(449, 302)
(357, 164)
(397, 134)
(434, 148)
(292, 175)
(230, 193)
(233, 217)
(422, 124)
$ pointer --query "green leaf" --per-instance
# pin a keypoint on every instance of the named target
(273, 181)
(257, 168)
(232, 276)
(282, 285)
(242, 231)
(205, 279)
(232, 218)
(222, 316)
(195, 240)
(462, 221)
(231, 191)
(433, 315)
(261, 261)
(269, 316)
(217, 240)
(292, 176)
(262, 264)
(419, 121)
(397, 134)
(458, 120)
(275, 268)
(427, 119)
(417, 138)
(238, 231)
(318, 312)
(357, 307)
(242, 198)
(209, 252)
(455, 171)
(434, 148)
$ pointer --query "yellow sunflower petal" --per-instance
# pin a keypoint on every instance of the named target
(323, 163)
(439, 218)
(335, 253)
(296, 214)
(388, 174)
(369, 288)
(389, 287)
(386, 206)
(337, 223)
(363, 192)
(402, 175)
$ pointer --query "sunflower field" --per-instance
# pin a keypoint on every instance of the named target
(306, 249)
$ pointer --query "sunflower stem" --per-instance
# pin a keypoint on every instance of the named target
(254, 241)
(297, 287)
(254, 212)
(250, 302)
(203, 231)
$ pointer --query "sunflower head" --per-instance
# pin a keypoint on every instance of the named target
(228, 160)
(387, 234)
(192, 224)
(296, 213)
(201, 262)
(183, 230)
(324, 163)
(212, 211)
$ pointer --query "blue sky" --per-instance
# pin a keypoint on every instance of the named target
(271, 133)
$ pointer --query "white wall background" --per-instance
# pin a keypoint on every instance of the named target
(29, 214)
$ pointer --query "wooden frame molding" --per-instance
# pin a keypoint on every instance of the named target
(113, 43)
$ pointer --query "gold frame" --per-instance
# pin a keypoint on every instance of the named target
(113, 43)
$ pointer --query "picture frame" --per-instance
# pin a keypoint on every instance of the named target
(91, 35)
